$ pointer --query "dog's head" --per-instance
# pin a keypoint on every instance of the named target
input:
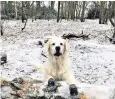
(56, 46)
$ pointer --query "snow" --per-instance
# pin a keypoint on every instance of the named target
(93, 61)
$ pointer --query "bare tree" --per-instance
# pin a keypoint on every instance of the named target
(101, 14)
(58, 17)
(1, 28)
(32, 11)
(15, 4)
(52, 4)
(37, 8)
(79, 7)
(23, 11)
(114, 19)
(83, 12)
(62, 10)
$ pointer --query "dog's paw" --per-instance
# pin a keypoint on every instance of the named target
(51, 82)
(51, 85)
(73, 90)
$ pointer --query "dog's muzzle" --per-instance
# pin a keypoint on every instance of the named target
(57, 54)
(57, 48)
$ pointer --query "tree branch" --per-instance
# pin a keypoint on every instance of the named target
(112, 22)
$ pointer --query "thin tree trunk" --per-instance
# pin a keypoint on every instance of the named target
(58, 17)
(74, 7)
(68, 10)
(114, 18)
(15, 3)
(1, 29)
(101, 13)
(23, 14)
(28, 9)
(4, 11)
(79, 11)
(62, 13)
(37, 8)
(32, 12)
(52, 4)
(83, 12)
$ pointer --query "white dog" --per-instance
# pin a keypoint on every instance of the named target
(57, 65)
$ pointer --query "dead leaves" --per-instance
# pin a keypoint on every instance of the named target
(82, 96)
(29, 88)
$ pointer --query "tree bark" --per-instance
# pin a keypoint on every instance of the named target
(37, 8)
(1, 29)
(52, 4)
(62, 12)
(32, 11)
(16, 15)
(114, 19)
(58, 17)
(101, 13)
(23, 12)
(83, 12)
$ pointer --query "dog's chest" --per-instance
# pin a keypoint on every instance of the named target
(57, 71)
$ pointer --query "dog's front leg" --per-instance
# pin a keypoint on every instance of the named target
(69, 78)
(50, 83)
(49, 80)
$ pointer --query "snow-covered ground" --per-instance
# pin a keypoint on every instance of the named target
(93, 61)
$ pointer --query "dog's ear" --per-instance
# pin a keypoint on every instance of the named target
(66, 45)
(45, 41)
(47, 46)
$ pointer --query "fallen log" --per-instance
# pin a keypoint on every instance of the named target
(32, 89)
(69, 36)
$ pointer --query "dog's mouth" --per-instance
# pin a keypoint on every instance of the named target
(57, 54)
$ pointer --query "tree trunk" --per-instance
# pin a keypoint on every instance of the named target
(101, 13)
(58, 17)
(32, 12)
(52, 4)
(74, 9)
(23, 12)
(79, 11)
(6, 9)
(37, 8)
(15, 3)
(1, 29)
(114, 18)
(83, 12)
(28, 9)
(62, 13)
(68, 10)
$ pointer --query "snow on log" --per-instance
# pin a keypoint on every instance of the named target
(69, 36)
(28, 88)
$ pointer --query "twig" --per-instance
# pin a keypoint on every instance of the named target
(112, 22)
(43, 55)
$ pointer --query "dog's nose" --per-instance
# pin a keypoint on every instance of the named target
(57, 48)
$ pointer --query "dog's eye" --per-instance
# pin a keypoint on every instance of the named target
(61, 43)
(53, 43)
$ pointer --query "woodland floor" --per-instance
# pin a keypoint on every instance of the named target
(93, 60)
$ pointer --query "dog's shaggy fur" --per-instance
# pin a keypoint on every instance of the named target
(57, 67)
